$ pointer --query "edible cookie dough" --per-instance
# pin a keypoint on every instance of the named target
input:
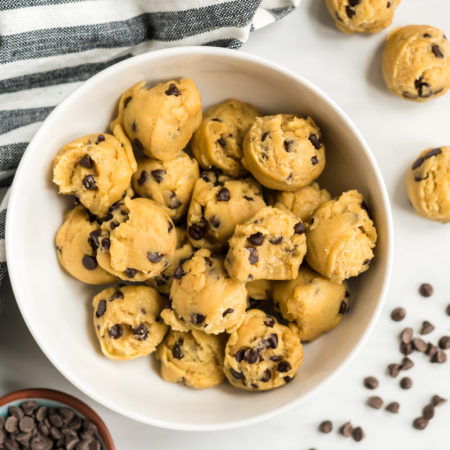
(259, 289)
(362, 16)
(169, 183)
(262, 354)
(284, 152)
(160, 121)
(218, 141)
(270, 246)
(218, 204)
(127, 321)
(138, 242)
(311, 302)
(76, 247)
(428, 184)
(204, 297)
(96, 168)
(193, 359)
(304, 202)
(416, 62)
(341, 238)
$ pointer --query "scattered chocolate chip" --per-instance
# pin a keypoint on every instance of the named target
(426, 327)
(267, 375)
(406, 335)
(154, 257)
(375, 402)
(299, 228)
(431, 349)
(314, 160)
(350, 12)
(288, 146)
(326, 426)
(176, 350)
(426, 290)
(406, 383)
(141, 332)
(158, 175)
(419, 345)
(256, 239)
(269, 321)
(371, 383)
(358, 434)
(394, 369)
(343, 307)
(88, 183)
(101, 308)
(437, 51)
(436, 400)
(420, 423)
(439, 357)
(130, 272)
(197, 319)
(406, 364)
(428, 412)
(444, 342)
(276, 241)
(196, 231)
(86, 161)
(406, 349)
(264, 136)
(346, 429)
(89, 262)
(227, 311)
(223, 195)
(393, 407)
(237, 375)
(173, 90)
(253, 256)
(398, 314)
(284, 366)
(100, 138)
(115, 331)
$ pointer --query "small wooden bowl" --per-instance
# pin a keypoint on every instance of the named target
(42, 396)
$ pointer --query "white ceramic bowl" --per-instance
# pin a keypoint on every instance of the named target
(57, 308)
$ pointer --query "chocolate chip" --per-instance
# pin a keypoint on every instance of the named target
(431, 349)
(267, 375)
(100, 138)
(315, 141)
(256, 239)
(406, 349)
(41, 413)
(419, 345)
(141, 332)
(251, 356)
(134, 126)
(371, 382)
(223, 195)
(299, 228)
(11, 424)
(343, 307)
(419, 84)
(126, 101)
(106, 243)
(179, 273)
(138, 144)
(130, 272)
(394, 369)
(350, 12)
(86, 161)
(158, 175)
(113, 224)
(388, 4)
(115, 331)
(354, 2)
(239, 355)
(418, 163)
(216, 119)
(271, 341)
(236, 374)
(196, 231)
(275, 358)
(214, 221)
(406, 364)
(314, 160)
(326, 426)
(393, 407)
(398, 314)
(253, 256)
(436, 400)
(420, 423)
(170, 227)
(154, 257)
(288, 146)
(426, 290)
(428, 412)
(93, 239)
(406, 335)
(284, 366)
(208, 261)
(88, 183)
(28, 407)
(197, 319)
(89, 262)
(101, 308)
(269, 321)
(287, 379)
(227, 311)
(426, 35)
(143, 177)
(264, 136)
(406, 383)
(375, 402)
(437, 51)
(358, 434)
(173, 90)
(222, 142)
(444, 342)
(346, 429)
(439, 357)
(426, 327)
(177, 353)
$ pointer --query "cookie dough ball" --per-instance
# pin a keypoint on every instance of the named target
(341, 238)
(304, 202)
(76, 247)
(218, 141)
(204, 297)
(127, 321)
(428, 184)
(259, 289)
(160, 121)
(270, 246)
(162, 283)
(262, 354)
(193, 359)
(312, 303)
(362, 16)
(96, 168)
(218, 204)
(284, 152)
(416, 62)
(169, 183)
(138, 242)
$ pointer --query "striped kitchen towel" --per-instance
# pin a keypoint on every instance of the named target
(49, 47)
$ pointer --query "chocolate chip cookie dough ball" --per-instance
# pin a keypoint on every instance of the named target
(193, 359)
(138, 242)
(304, 202)
(259, 289)
(262, 354)
(169, 183)
(96, 168)
(341, 238)
(313, 304)
(160, 121)
(218, 204)
(428, 184)
(218, 141)
(127, 321)
(362, 16)
(76, 247)
(284, 152)
(204, 297)
(416, 62)
(270, 246)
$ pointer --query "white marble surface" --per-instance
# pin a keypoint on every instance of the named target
(348, 69)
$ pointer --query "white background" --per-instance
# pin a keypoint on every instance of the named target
(348, 69)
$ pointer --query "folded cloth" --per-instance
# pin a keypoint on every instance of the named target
(49, 47)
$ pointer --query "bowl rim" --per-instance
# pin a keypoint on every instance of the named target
(65, 399)
(236, 56)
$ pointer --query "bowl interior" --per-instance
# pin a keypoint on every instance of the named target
(57, 307)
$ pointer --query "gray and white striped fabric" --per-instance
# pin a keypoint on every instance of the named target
(49, 47)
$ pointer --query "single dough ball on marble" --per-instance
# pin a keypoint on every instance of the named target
(270, 246)
(160, 121)
(96, 168)
(416, 62)
(194, 359)
(138, 242)
(203, 297)
(428, 184)
(312, 303)
(262, 354)
(362, 16)
(168, 183)
(218, 141)
(218, 204)
(304, 202)
(127, 321)
(341, 238)
(76, 247)
(284, 152)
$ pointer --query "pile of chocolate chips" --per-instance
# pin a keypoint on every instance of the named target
(36, 427)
